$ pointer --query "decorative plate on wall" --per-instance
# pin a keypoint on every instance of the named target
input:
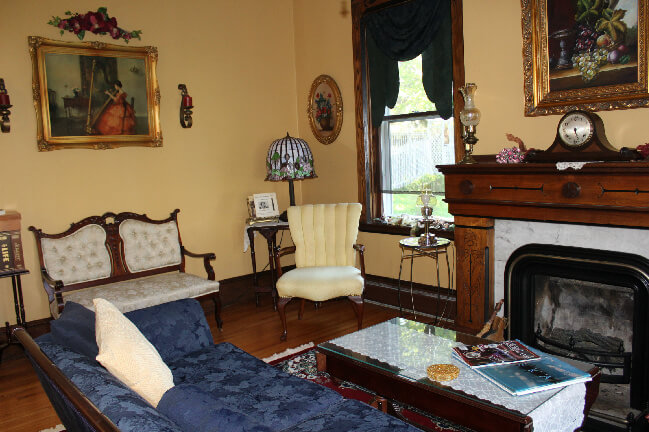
(325, 109)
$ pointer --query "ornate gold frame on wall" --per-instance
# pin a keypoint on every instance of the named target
(322, 135)
(539, 100)
(39, 46)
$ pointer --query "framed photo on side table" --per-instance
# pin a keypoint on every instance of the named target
(263, 208)
(94, 95)
(585, 55)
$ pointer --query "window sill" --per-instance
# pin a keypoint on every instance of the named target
(399, 230)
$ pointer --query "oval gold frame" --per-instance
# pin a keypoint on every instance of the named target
(326, 137)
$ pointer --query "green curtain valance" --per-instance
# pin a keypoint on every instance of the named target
(401, 33)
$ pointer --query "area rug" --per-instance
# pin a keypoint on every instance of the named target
(303, 364)
(57, 428)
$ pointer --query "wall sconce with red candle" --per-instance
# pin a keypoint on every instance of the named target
(185, 107)
(5, 104)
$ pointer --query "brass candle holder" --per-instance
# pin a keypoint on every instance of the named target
(470, 117)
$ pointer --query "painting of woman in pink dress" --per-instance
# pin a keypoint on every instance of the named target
(118, 118)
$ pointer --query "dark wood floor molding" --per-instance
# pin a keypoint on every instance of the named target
(385, 291)
(238, 288)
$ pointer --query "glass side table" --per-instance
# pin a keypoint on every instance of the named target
(411, 249)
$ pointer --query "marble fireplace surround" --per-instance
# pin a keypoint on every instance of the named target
(512, 234)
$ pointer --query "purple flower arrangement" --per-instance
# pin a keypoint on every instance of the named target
(96, 22)
(510, 155)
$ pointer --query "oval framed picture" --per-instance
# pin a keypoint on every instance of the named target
(325, 109)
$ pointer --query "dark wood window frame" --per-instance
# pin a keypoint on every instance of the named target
(367, 137)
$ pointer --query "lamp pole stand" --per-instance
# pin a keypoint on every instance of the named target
(291, 195)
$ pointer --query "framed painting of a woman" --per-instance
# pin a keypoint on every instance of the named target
(584, 54)
(95, 95)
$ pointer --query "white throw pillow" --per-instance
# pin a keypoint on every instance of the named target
(128, 355)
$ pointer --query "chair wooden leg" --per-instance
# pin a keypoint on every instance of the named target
(281, 308)
(357, 303)
(217, 310)
(301, 313)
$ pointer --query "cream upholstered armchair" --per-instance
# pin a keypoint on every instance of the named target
(325, 253)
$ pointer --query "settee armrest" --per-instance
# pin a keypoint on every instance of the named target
(71, 405)
(56, 286)
(361, 251)
(207, 257)
(280, 253)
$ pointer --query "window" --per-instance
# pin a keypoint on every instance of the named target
(414, 139)
(398, 153)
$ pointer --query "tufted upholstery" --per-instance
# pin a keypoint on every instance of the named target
(105, 256)
(324, 234)
(149, 246)
(78, 257)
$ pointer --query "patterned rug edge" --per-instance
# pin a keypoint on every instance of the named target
(280, 356)
(57, 428)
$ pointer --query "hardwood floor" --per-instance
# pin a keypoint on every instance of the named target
(24, 407)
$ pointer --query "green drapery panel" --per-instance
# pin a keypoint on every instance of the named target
(401, 33)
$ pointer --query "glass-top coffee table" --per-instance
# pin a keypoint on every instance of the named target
(390, 359)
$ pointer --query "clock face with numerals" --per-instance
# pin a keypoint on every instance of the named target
(576, 129)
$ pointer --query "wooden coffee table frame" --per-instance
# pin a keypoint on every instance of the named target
(449, 404)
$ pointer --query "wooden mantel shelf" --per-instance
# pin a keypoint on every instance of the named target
(598, 193)
(608, 193)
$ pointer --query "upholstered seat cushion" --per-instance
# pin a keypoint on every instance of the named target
(147, 291)
(245, 384)
(321, 283)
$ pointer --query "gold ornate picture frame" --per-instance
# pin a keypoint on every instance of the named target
(584, 54)
(94, 95)
(325, 109)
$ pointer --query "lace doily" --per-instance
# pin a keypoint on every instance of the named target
(551, 410)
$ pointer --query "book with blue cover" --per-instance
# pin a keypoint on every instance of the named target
(545, 373)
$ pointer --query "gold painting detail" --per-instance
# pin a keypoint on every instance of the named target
(584, 54)
(94, 95)
(325, 109)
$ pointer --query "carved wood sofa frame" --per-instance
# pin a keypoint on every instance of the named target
(111, 222)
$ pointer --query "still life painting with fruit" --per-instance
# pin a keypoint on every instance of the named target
(592, 43)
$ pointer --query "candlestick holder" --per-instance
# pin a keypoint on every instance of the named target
(185, 107)
(428, 201)
(5, 104)
(470, 117)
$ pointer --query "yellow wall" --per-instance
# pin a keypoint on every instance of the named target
(249, 65)
(237, 59)
(493, 60)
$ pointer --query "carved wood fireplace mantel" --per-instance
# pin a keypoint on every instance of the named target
(612, 194)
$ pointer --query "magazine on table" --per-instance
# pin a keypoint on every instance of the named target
(497, 353)
(547, 372)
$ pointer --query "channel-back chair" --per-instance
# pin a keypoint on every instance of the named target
(325, 253)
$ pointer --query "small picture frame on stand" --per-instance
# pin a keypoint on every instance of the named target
(262, 208)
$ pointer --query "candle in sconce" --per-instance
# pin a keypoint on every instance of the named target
(4, 99)
(187, 101)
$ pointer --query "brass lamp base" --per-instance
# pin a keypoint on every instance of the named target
(469, 141)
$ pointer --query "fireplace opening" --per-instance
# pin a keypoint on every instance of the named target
(590, 305)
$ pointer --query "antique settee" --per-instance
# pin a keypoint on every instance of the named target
(216, 386)
(127, 258)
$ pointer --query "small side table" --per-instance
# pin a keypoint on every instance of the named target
(269, 231)
(411, 249)
(18, 305)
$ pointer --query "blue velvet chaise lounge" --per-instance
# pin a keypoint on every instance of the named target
(217, 387)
